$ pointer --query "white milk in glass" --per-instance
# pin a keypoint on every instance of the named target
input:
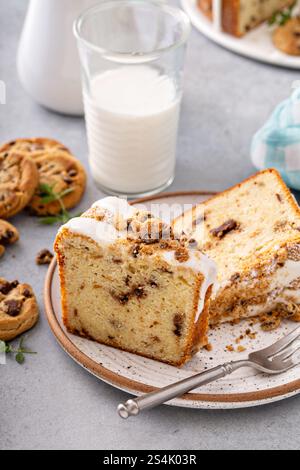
(132, 119)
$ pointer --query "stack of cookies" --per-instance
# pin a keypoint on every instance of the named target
(26, 167)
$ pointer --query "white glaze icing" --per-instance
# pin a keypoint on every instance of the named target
(103, 231)
(99, 231)
(116, 206)
(199, 263)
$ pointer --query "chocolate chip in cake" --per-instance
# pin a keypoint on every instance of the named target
(135, 251)
(225, 228)
(44, 257)
(178, 323)
(198, 220)
(13, 307)
(139, 292)
(155, 339)
(122, 298)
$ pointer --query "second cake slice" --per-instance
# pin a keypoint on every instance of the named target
(252, 232)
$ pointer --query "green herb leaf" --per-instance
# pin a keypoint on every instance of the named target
(50, 220)
(65, 192)
(48, 195)
(21, 342)
(19, 352)
(45, 189)
(20, 358)
(281, 17)
(48, 199)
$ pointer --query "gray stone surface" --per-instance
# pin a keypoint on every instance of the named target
(50, 402)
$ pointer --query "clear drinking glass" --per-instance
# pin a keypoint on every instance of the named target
(132, 54)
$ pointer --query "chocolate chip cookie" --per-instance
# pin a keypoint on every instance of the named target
(18, 181)
(63, 173)
(287, 37)
(8, 235)
(18, 309)
(35, 147)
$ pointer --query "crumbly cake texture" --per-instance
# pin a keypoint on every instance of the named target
(128, 283)
(252, 232)
(240, 16)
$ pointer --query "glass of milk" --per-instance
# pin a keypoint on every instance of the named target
(132, 54)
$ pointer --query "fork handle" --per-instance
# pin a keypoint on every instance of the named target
(133, 407)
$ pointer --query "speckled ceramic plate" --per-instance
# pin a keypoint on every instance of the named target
(256, 44)
(138, 375)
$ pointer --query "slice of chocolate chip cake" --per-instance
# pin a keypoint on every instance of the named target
(252, 231)
(127, 282)
(238, 17)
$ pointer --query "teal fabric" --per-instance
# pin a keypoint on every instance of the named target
(277, 143)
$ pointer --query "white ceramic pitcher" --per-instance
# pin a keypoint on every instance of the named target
(48, 62)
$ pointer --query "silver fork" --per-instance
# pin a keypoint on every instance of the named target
(275, 359)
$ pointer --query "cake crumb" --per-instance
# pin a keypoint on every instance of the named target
(230, 348)
(241, 348)
(208, 347)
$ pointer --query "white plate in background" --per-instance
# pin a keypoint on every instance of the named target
(257, 44)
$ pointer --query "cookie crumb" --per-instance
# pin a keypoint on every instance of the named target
(44, 257)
